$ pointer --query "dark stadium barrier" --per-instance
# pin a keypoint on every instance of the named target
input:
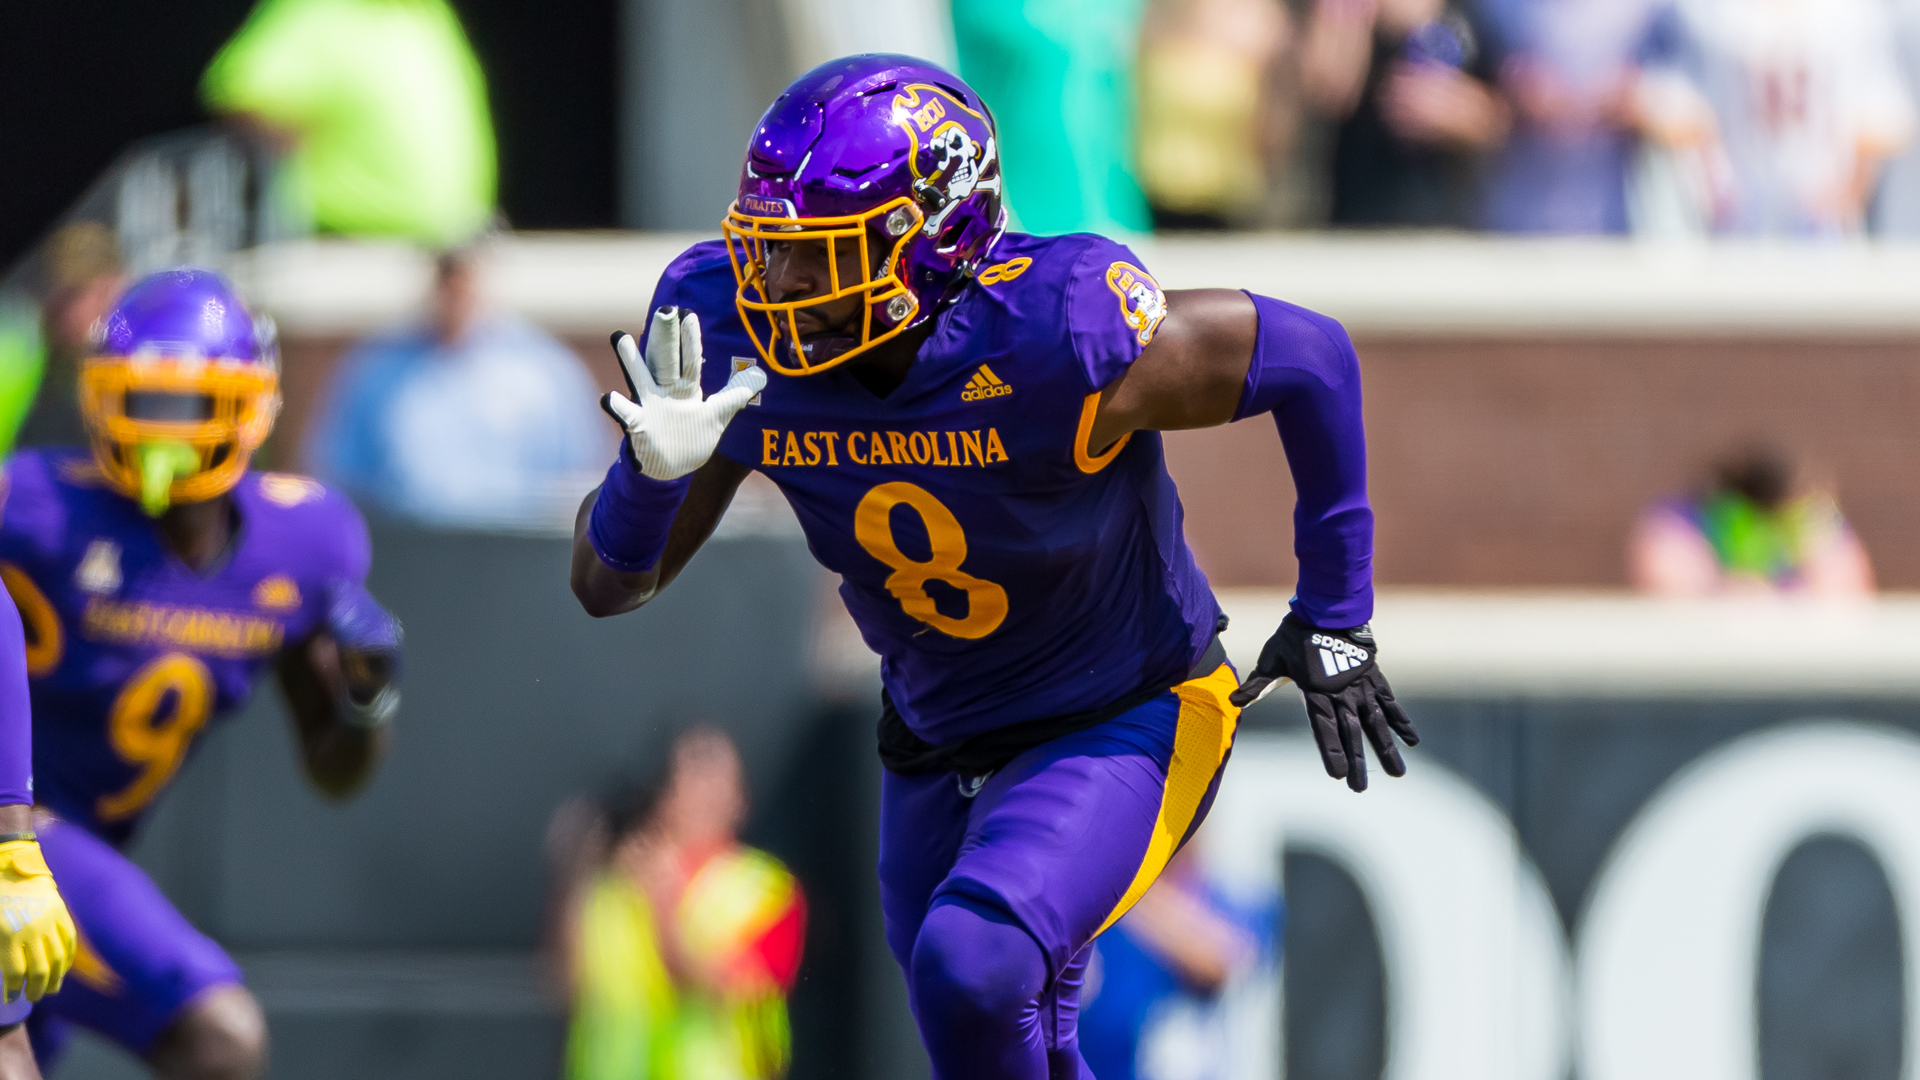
(1618, 887)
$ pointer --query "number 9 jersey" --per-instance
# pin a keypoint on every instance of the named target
(130, 654)
(1003, 569)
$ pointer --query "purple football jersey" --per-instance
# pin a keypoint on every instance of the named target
(1001, 570)
(130, 654)
(16, 714)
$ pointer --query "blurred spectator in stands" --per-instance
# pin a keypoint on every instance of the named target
(675, 943)
(474, 418)
(1150, 1006)
(381, 106)
(82, 276)
(1568, 70)
(1206, 68)
(1897, 210)
(1059, 76)
(1757, 526)
(1767, 117)
(1410, 84)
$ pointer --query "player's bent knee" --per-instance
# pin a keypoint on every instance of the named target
(974, 964)
(222, 1036)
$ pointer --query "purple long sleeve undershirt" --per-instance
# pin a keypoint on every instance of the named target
(1306, 374)
(16, 712)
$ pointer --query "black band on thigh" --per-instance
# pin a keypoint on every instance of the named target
(907, 754)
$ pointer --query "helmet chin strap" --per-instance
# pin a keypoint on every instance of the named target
(161, 462)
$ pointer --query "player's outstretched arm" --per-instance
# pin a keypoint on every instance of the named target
(604, 591)
(666, 489)
(342, 688)
(1220, 356)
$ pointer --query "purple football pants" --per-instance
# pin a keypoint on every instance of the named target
(991, 901)
(141, 963)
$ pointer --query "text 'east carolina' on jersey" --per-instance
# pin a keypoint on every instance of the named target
(1002, 569)
(130, 653)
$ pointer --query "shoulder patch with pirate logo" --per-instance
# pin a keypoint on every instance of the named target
(82, 472)
(1142, 304)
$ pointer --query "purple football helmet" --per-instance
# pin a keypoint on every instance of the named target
(179, 360)
(182, 311)
(891, 154)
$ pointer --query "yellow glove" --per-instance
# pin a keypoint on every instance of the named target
(37, 939)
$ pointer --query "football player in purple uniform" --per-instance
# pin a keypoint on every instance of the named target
(37, 940)
(157, 576)
(966, 421)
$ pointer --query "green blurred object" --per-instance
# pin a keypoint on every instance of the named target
(387, 107)
(1770, 544)
(623, 993)
(23, 363)
(163, 461)
(1059, 77)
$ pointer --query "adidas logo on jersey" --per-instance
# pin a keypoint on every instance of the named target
(984, 384)
(1337, 655)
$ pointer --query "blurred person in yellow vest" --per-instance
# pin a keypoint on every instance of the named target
(381, 106)
(1759, 525)
(676, 943)
(1205, 110)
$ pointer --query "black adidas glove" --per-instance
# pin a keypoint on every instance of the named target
(1338, 673)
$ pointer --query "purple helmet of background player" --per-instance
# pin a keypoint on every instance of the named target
(890, 154)
(182, 387)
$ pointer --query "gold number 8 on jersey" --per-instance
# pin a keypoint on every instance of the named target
(873, 527)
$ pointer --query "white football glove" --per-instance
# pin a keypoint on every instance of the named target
(672, 429)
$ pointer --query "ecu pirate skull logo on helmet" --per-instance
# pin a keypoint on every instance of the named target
(948, 161)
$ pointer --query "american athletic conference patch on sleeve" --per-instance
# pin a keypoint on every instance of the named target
(1142, 304)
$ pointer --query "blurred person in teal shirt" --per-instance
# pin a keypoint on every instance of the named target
(381, 106)
(1060, 75)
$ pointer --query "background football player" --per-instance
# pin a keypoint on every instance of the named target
(37, 941)
(157, 576)
(966, 422)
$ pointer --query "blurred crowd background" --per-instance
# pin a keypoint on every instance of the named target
(1652, 117)
(409, 121)
(403, 182)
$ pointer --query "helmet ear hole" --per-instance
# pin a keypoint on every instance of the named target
(952, 237)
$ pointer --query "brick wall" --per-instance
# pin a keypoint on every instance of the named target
(1517, 463)
(1507, 462)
